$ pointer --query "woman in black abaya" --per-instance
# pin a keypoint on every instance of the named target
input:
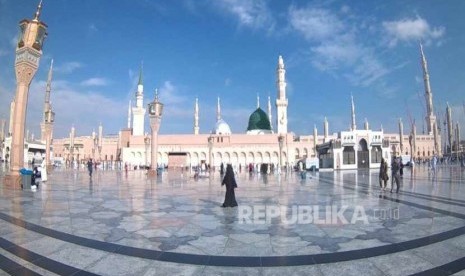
(230, 182)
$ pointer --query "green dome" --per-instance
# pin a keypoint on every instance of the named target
(258, 120)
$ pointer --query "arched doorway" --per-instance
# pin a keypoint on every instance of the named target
(363, 156)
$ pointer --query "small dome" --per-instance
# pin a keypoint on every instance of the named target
(258, 121)
(221, 127)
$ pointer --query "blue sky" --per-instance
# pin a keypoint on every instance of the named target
(230, 48)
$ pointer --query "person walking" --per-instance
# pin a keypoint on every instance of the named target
(395, 170)
(230, 182)
(383, 174)
(89, 166)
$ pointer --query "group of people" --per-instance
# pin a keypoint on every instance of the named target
(396, 173)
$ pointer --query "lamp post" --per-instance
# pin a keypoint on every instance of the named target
(281, 142)
(155, 113)
(94, 145)
(28, 52)
(210, 148)
(147, 144)
(49, 119)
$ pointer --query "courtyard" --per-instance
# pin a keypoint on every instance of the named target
(331, 223)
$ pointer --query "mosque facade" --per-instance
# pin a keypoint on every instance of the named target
(261, 144)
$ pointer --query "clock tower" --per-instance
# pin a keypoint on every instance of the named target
(28, 53)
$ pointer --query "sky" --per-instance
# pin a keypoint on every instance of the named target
(229, 49)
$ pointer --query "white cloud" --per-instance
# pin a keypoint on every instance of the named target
(92, 28)
(72, 105)
(68, 67)
(315, 24)
(406, 30)
(334, 44)
(169, 95)
(250, 13)
(95, 82)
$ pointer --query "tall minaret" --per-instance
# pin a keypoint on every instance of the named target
(430, 117)
(281, 101)
(401, 135)
(325, 130)
(129, 114)
(48, 89)
(218, 110)
(353, 126)
(196, 117)
(269, 112)
(258, 101)
(449, 125)
(138, 111)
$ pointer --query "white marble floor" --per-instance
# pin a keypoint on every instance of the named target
(127, 224)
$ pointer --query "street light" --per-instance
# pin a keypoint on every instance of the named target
(281, 142)
(28, 53)
(210, 148)
(155, 113)
(147, 143)
(49, 119)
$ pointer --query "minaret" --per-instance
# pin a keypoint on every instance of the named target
(129, 114)
(449, 125)
(281, 101)
(258, 101)
(269, 112)
(218, 110)
(325, 130)
(353, 126)
(366, 125)
(138, 111)
(401, 135)
(12, 111)
(430, 117)
(196, 117)
(48, 89)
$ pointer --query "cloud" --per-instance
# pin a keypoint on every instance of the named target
(73, 105)
(334, 45)
(92, 28)
(67, 67)
(406, 30)
(95, 82)
(254, 14)
(314, 23)
(169, 95)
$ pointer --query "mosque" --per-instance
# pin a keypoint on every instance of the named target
(260, 144)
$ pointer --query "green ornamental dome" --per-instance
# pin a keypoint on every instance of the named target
(258, 120)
